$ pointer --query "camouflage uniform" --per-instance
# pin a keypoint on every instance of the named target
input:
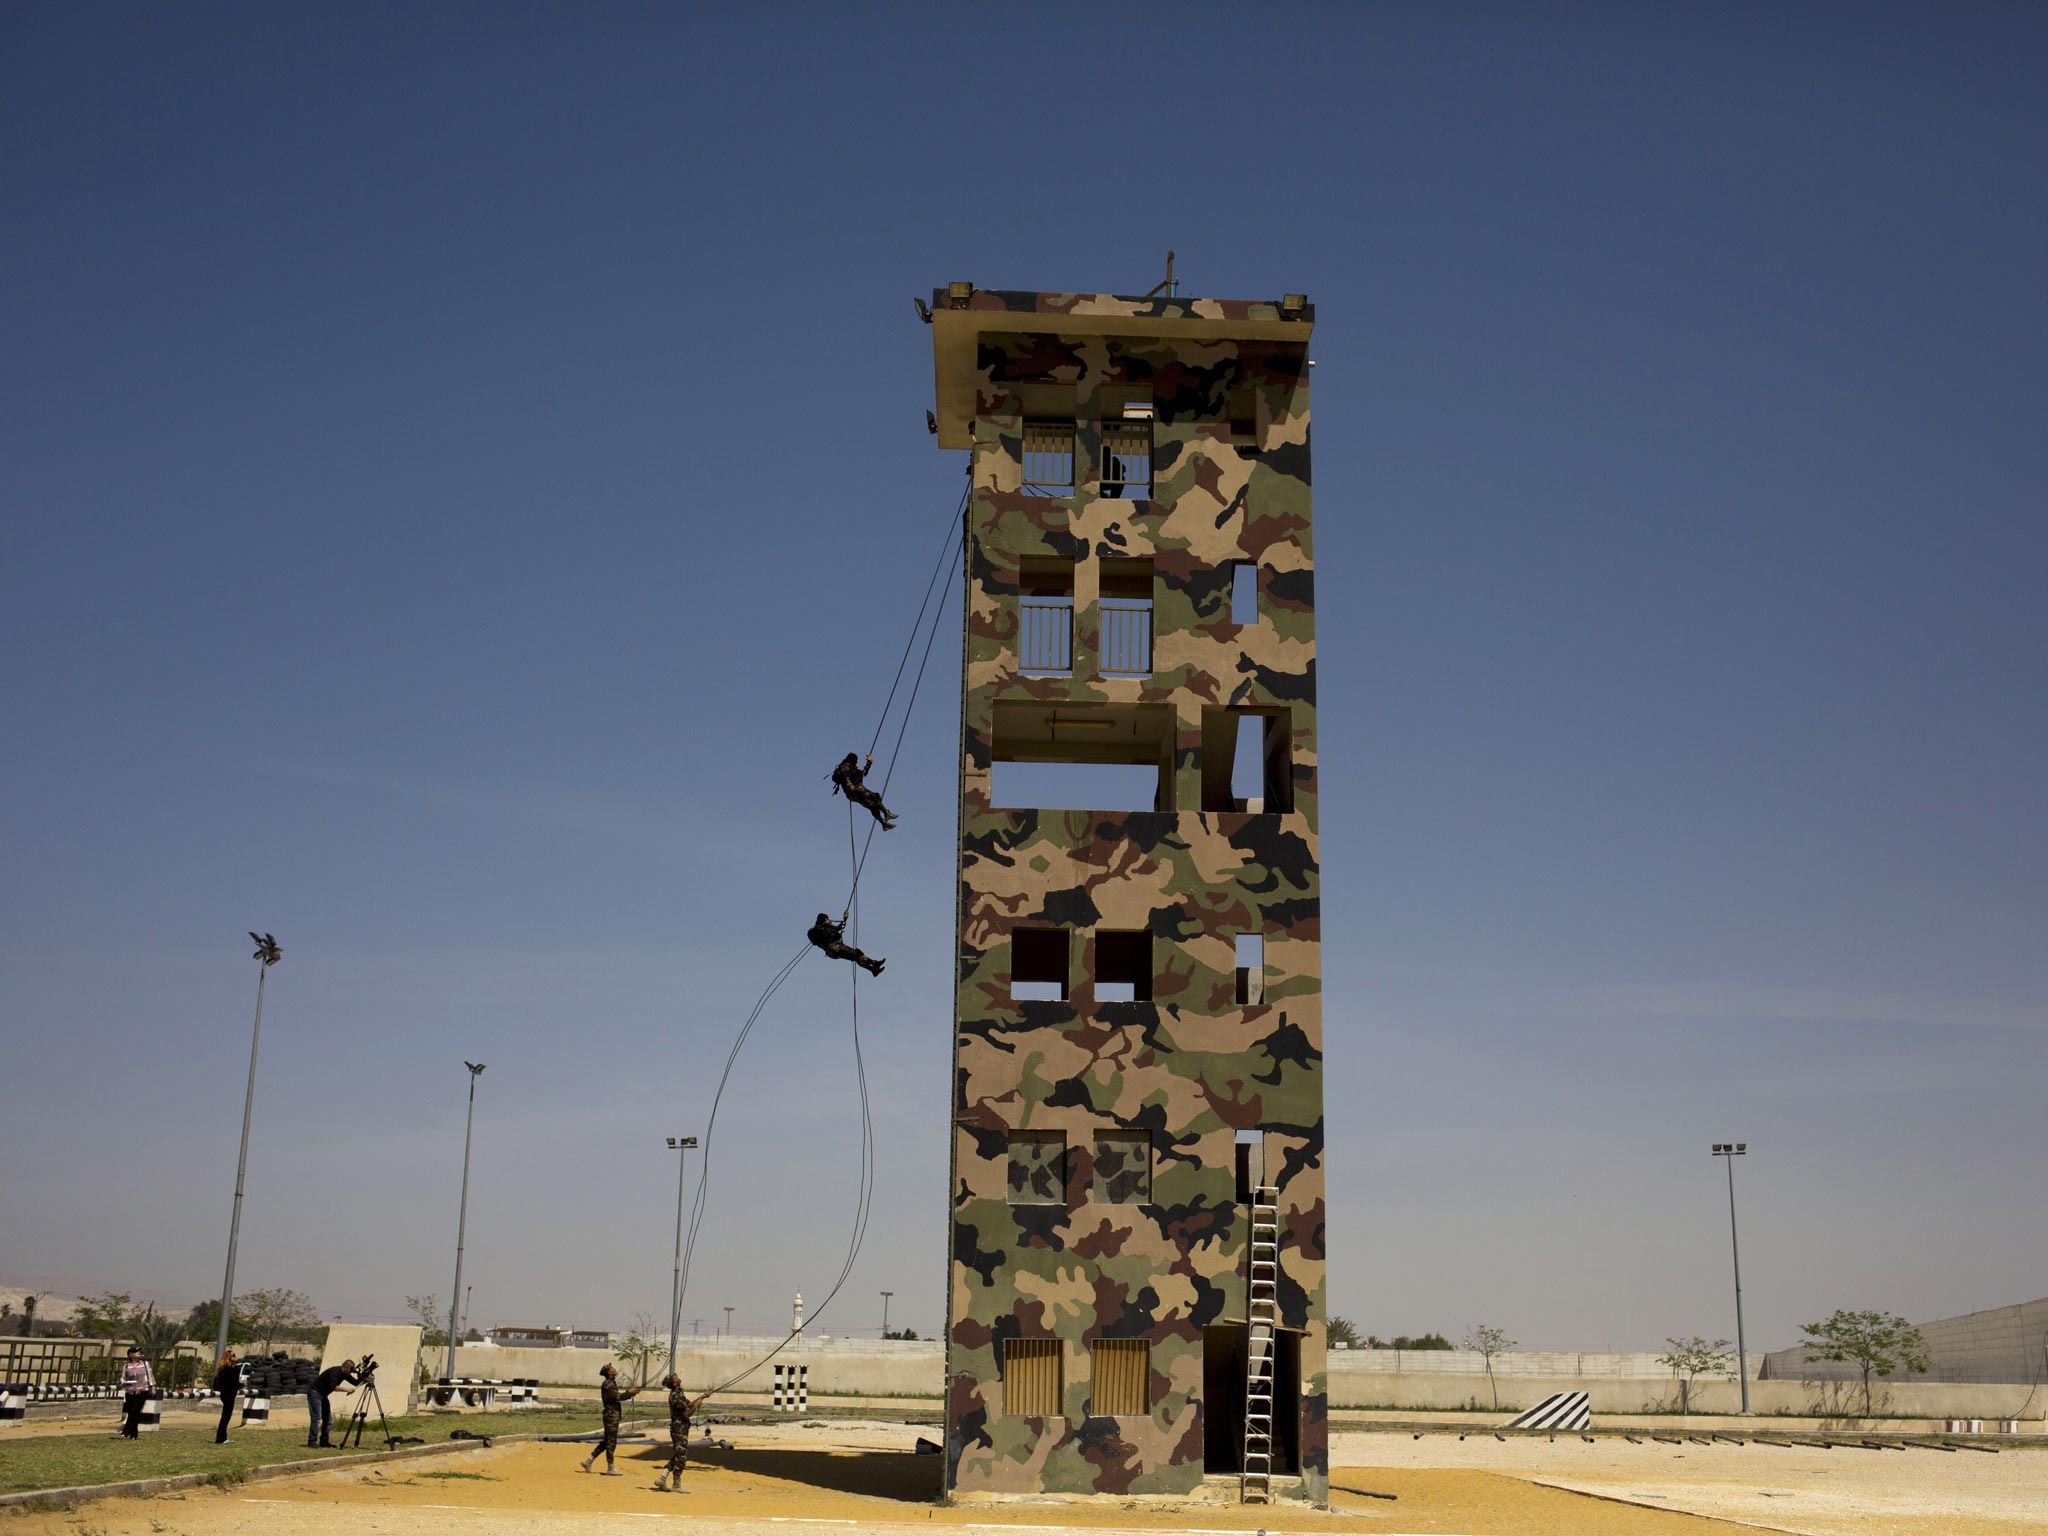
(826, 934)
(678, 1432)
(614, 1404)
(850, 779)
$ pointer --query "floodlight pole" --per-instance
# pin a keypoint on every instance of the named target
(1729, 1151)
(269, 954)
(728, 1322)
(885, 1312)
(680, 1145)
(462, 1218)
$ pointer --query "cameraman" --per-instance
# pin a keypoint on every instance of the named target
(319, 1411)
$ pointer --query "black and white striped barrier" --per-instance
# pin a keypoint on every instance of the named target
(13, 1401)
(256, 1408)
(1560, 1410)
(481, 1392)
(792, 1388)
(152, 1414)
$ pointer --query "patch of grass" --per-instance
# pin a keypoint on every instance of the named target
(96, 1457)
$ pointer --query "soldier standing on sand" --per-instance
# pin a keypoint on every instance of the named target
(614, 1405)
(680, 1408)
(850, 779)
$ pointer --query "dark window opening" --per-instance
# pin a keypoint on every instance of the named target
(1049, 458)
(1116, 757)
(1123, 1167)
(1251, 969)
(1247, 760)
(1123, 966)
(1038, 1168)
(1127, 451)
(1038, 964)
(1244, 417)
(1251, 1164)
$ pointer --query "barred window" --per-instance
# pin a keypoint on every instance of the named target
(1049, 457)
(1031, 1378)
(1127, 457)
(1123, 1167)
(1038, 1168)
(1122, 1377)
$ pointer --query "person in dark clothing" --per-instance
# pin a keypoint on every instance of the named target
(227, 1382)
(850, 779)
(340, 1378)
(680, 1410)
(613, 1401)
(827, 935)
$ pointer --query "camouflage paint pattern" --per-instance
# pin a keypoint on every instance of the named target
(1036, 1249)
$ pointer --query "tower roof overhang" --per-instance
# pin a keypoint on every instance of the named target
(962, 314)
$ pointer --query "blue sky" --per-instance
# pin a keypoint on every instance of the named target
(467, 481)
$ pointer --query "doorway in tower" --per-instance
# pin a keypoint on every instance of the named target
(1224, 1362)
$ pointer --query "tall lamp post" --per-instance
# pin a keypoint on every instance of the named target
(1731, 1150)
(728, 1322)
(269, 953)
(681, 1146)
(885, 1312)
(476, 1069)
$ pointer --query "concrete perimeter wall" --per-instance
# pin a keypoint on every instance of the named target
(838, 1367)
(2002, 1344)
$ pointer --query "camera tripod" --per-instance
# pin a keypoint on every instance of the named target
(359, 1417)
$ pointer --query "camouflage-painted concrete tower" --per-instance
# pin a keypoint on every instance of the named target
(1136, 1257)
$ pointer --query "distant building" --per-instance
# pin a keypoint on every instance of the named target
(528, 1338)
(2003, 1344)
(589, 1338)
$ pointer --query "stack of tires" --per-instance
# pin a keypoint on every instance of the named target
(278, 1376)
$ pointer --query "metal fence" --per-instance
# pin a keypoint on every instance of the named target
(1127, 459)
(1045, 634)
(1126, 636)
(1049, 457)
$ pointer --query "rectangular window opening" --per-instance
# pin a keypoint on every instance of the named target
(1244, 417)
(1038, 1168)
(1122, 1372)
(1126, 607)
(1247, 760)
(1032, 1378)
(1251, 969)
(1115, 757)
(1123, 1167)
(1123, 966)
(1045, 615)
(1244, 592)
(1049, 458)
(1127, 452)
(1251, 1164)
(1038, 965)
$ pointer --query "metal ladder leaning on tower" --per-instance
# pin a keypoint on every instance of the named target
(1261, 1317)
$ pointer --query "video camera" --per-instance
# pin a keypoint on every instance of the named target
(366, 1368)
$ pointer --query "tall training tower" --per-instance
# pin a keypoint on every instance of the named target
(1135, 1297)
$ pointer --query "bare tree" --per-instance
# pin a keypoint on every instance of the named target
(1692, 1357)
(1489, 1342)
(427, 1309)
(278, 1311)
(642, 1348)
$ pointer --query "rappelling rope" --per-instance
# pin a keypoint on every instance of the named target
(864, 1203)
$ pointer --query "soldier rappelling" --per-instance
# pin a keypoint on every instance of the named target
(850, 779)
(828, 936)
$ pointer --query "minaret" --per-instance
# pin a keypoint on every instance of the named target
(1135, 1297)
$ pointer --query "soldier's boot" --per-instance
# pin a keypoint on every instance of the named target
(611, 1470)
(588, 1460)
(661, 1483)
(875, 967)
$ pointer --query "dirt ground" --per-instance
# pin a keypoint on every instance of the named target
(864, 1476)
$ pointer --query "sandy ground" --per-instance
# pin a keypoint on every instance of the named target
(864, 1476)
(1842, 1492)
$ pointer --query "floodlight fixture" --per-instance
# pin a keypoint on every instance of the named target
(924, 310)
(267, 948)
